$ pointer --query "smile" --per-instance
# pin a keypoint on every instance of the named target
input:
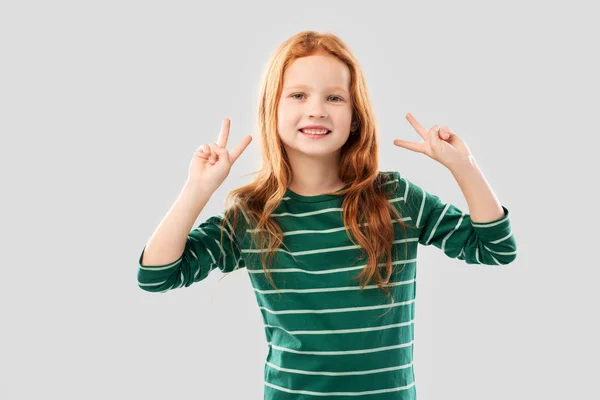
(315, 136)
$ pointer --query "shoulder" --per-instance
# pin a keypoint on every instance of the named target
(404, 190)
(386, 178)
(400, 182)
(235, 218)
(391, 181)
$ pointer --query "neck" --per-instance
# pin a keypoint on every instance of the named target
(315, 175)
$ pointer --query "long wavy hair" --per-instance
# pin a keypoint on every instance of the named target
(367, 213)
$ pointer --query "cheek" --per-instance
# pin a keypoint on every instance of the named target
(287, 122)
(285, 113)
(282, 116)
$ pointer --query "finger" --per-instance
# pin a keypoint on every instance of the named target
(445, 132)
(213, 155)
(235, 153)
(418, 147)
(224, 134)
(434, 133)
(200, 152)
(416, 125)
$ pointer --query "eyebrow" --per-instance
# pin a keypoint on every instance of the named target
(308, 87)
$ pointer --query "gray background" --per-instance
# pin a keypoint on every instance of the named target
(104, 103)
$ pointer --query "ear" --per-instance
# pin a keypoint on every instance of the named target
(353, 126)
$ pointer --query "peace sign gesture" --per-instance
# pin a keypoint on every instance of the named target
(441, 145)
(212, 163)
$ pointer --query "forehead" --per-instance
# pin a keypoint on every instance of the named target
(317, 71)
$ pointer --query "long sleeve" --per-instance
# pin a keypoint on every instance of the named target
(446, 227)
(203, 253)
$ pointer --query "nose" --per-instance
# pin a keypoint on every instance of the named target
(316, 109)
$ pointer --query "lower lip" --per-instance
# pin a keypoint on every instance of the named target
(308, 135)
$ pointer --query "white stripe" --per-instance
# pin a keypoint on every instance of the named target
(421, 209)
(502, 253)
(502, 239)
(305, 231)
(326, 271)
(497, 262)
(340, 331)
(160, 268)
(439, 221)
(406, 189)
(325, 210)
(336, 289)
(218, 244)
(340, 393)
(152, 284)
(305, 214)
(451, 232)
(237, 260)
(207, 249)
(325, 250)
(342, 352)
(338, 310)
(328, 373)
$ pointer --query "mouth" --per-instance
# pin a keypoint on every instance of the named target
(314, 134)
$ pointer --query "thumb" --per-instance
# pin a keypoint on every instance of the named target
(434, 134)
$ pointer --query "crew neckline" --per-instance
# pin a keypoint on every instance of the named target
(315, 198)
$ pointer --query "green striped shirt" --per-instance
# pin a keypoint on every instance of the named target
(327, 338)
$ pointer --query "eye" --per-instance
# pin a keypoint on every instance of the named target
(302, 94)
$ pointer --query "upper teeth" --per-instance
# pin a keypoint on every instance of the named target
(315, 131)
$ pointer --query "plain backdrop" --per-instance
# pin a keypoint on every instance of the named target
(103, 103)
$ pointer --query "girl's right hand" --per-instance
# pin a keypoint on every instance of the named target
(212, 163)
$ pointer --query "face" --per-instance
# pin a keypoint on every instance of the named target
(315, 92)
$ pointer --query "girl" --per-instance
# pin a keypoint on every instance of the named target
(324, 235)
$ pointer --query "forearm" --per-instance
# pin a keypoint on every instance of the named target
(168, 240)
(483, 204)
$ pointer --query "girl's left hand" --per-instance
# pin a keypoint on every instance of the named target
(442, 145)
